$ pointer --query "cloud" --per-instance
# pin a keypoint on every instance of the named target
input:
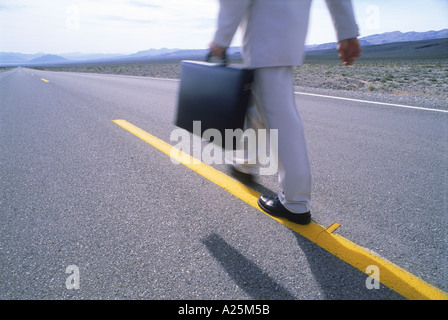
(134, 25)
(144, 4)
(127, 21)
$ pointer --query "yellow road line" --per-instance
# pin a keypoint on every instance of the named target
(333, 227)
(391, 275)
(44, 80)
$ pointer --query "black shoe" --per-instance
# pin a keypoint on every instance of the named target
(273, 206)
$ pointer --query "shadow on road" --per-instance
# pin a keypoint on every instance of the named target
(337, 279)
(247, 275)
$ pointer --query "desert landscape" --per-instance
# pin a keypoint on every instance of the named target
(412, 73)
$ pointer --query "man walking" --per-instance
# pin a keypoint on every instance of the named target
(273, 42)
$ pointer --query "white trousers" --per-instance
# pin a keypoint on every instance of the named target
(274, 98)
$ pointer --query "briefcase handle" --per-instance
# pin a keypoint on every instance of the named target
(224, 60)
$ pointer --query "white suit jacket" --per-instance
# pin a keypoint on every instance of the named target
(274, 31)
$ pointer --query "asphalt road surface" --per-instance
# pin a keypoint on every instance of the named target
(79, 192)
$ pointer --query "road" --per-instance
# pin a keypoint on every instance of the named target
(79, 190)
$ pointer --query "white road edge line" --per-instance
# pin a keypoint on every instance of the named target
(371, 102)
(342, 98)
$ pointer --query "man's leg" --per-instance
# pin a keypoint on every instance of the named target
(275, 99)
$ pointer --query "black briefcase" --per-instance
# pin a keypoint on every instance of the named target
(216, 94)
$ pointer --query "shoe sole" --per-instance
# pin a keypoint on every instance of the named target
(299, 218)
(244, 170)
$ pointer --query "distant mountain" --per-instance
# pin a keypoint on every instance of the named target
(388, 37)
(78, 56)
(397, 36)
(7, 57)
(424, 49)
(164, 54)
(49, 58)
(16, 57)
(152, 52)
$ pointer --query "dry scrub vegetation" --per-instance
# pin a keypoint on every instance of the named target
(401, 77)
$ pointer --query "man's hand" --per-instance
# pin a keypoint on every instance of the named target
(349, 50)
(217, 51)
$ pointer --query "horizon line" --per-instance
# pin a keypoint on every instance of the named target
(238, 46)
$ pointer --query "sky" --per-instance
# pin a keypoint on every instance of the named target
(129, 26)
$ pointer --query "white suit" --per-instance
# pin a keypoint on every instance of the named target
(274, 41)
(275, 30)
